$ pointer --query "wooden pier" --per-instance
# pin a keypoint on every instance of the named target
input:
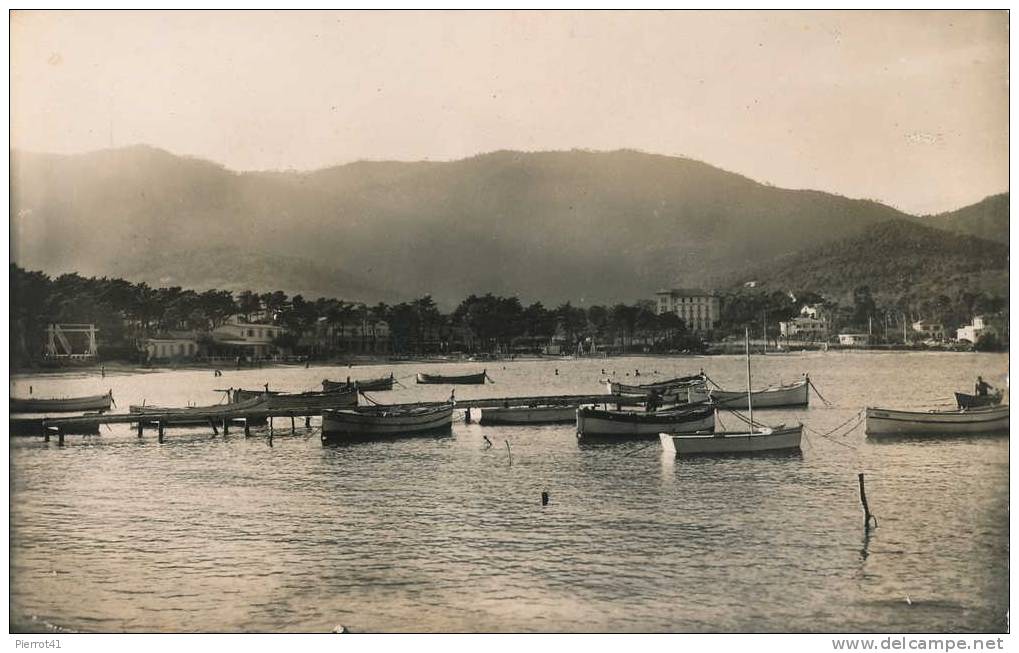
(244, 418)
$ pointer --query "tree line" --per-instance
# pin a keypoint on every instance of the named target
(124, 312)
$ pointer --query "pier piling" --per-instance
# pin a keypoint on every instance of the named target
(868, 517)
(212, 423)
(160, 427)
(307, 421)
(293, 428)
(141, 428)
(247, 428)
(226, 425)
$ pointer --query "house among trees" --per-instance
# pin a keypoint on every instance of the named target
(854, 339)
(972, 333)
(249, 340)
(929, 330)
(808, 325)
(170, 345)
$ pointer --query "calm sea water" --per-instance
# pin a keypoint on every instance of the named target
(212, 533)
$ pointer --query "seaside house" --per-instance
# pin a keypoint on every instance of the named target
(929, 330)
(972, 332)
(700, 310)
(249, 340)
(854, 339)
(170, 345)
(808, 325)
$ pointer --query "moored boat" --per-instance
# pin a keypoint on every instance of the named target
(510, 415)
(975, 401)
(461, 379)
(382, 383)
(789, 395)
(200, 415)
(62, 405)
(975, 421)
(306, 400)
(660, 387)
(386, 421)
(751, 440)
(592, 422)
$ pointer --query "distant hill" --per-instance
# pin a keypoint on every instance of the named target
(589, 227)
(896, 259)
(988, 219)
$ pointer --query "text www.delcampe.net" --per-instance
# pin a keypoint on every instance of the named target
(918, 644)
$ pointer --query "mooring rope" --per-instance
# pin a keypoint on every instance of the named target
(710, 380)
(827, 403)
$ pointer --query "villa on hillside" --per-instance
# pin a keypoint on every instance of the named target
(238, 337)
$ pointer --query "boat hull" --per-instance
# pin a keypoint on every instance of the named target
(731, 443)
(68, 405)
(979, 421)
(528, 415)
(375, 385)
(375, 423)
(186, 416)
(780, 397)
(662, 387)
(463, 379)
(976, 401)
(593, 423)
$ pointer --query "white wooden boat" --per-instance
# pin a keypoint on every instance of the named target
(757, 440)
(458, 379)
(789, 395)
(971, 421)
(62, 405)
(377, 385)
(669, 386)
(528, 415)
(200, 415)
(595, 423)
(386, 421)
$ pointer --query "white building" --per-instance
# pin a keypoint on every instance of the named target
(929, 330)
(248, 338)
(170, 346)
(972, 332)
(699, 310)
(805, 328)
(854, 339)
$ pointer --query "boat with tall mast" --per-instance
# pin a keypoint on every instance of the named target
(757, 438)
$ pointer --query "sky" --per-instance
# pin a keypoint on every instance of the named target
(908, 108)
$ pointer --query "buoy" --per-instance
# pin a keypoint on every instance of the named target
(544, 498)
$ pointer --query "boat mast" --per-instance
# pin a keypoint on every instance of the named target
(750, 404)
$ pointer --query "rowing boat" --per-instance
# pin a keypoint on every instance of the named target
(306, 400)
(792, 394)
(660, 387)
(510, 415)
(382, 383)
(63, 405)
(462, 379)
(386, 421)
(756, 440)
(976, 401)
(975, 421)
(592, 422)
(199, 415)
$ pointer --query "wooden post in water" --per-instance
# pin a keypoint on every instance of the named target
(46, 434)
(247, 427)
(159, 426)
(212, 423)
(141, 427)
(60, 437)
(307, 421)
(226, 425)
(867, 516)
(510, 452)
(293, 428)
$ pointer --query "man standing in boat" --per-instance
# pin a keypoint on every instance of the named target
(982, 387)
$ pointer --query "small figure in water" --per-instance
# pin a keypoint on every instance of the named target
(636, 373)
(102, 371)
(982, 387)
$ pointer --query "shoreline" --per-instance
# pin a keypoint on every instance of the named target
(121, 368)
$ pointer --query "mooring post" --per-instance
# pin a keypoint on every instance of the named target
(226, 425)
(60, 437)
(159, 425)
(212, 423)
(510, 452)
(247, 427)
(544, 498)
(141, 427)
(293, 429)
(467, 415)
(46, 434)
(867, 516)
(307, 421)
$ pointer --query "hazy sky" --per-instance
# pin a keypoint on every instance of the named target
(909, 108)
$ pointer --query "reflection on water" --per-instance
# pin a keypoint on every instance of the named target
(223, 533)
